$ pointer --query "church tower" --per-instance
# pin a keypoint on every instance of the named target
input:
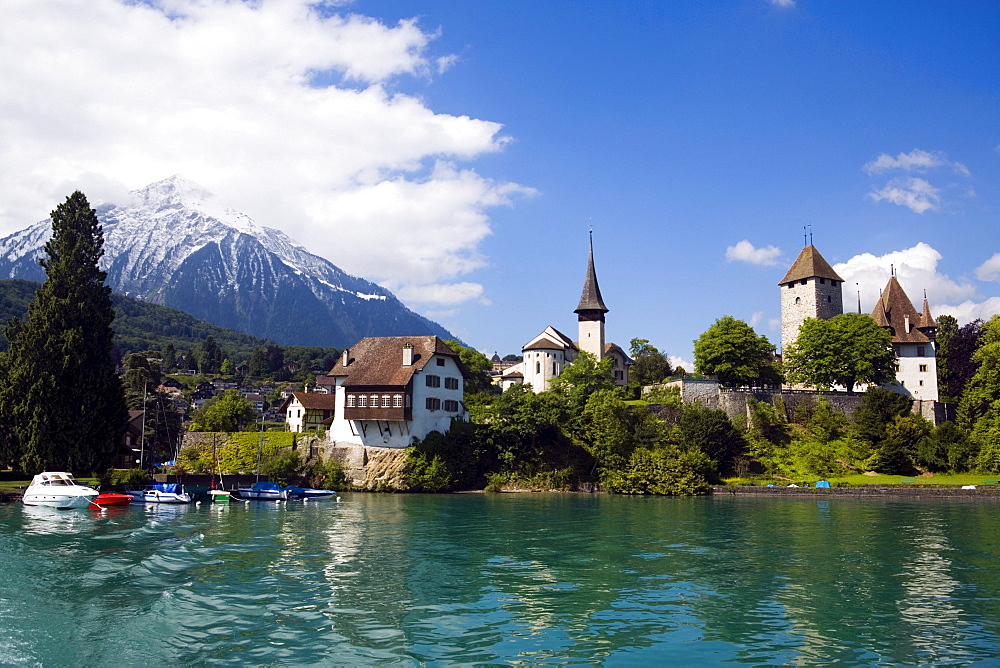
(590, 312)
(810, 289)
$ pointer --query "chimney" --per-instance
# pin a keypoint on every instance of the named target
(906, 320)
(346, 357)
(407, 354)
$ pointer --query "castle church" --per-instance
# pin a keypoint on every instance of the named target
(545, 356)
(812, 289)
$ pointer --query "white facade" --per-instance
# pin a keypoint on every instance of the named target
(429, 402)
(916, 371)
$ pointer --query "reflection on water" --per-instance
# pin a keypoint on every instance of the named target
(503, 578)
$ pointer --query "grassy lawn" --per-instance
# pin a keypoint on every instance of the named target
(861, 479)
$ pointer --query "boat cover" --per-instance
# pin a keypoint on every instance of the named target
(167, 487)
(267, 486)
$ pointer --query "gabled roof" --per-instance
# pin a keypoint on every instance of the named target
(892, 310)
(550, 339)
(608, 347)
(591, 299)
(810, 264)
(378, 360)
(313, 401)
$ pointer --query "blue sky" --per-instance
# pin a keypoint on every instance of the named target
(457, 155)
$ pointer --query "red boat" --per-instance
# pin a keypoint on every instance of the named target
(110, 499)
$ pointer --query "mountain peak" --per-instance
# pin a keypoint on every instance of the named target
(174, 244)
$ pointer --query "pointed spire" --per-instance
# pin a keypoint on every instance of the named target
(591, 299)
(926, 319)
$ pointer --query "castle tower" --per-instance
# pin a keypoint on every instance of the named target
(590, 312)
(913, 338)
(810, 289)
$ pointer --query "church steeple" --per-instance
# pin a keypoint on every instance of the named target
(591, 299)
(590, 311)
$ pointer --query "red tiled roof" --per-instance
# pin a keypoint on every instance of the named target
(314, 400)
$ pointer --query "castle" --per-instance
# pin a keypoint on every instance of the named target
(545, 356)
(812, 289)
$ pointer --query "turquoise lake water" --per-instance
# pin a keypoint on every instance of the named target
(515, 579)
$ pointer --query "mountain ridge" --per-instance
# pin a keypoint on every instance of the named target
(173, 245)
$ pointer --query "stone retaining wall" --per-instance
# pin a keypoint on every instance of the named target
(368, 467)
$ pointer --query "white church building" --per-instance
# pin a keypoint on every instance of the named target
(545, 356)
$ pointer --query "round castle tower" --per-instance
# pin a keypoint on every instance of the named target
(810, 289)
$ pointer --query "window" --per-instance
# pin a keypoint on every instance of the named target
(920, 351)
(451, 405)
(386, 401)
(897, 368)
(828, 299)
(822, 281)
(618, 375)
(350, 401)
(451, 383)
(798, 300)
(554, 372)
(440, 361)
(921, 383)
(362, 401)
(397, 401)
(433, 404)
(433, 381)
(923, 369)
(538, 367)
(374, 401)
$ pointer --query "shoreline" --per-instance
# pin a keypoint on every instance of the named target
(910, 491)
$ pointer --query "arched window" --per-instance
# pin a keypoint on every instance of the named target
(538, 367)
(798, 300)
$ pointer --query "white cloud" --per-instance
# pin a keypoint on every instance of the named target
(916, 160)
(916, 194)
(969, 310)
(783, 3)
(442, 293)
(285, 110)
(989, 270)
(676, 361)
(744, 251)
(756, 318)
(774, 324)
(916, 269)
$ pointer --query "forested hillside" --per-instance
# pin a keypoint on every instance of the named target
(139, 325)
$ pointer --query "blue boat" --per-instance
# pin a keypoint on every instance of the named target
(263, 491)
(309, 493)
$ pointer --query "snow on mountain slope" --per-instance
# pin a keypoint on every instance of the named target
(172, 244)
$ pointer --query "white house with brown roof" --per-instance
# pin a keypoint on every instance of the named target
(391, 390)
(913, 339)
(546, 355)
(307, 411)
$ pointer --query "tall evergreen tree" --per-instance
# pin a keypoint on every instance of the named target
(62, 397)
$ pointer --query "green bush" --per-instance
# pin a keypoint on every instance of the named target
(666, 471)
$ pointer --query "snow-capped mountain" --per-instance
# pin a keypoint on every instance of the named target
(172, 245)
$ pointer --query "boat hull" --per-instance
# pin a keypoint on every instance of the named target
(112, 499)
(64, 501)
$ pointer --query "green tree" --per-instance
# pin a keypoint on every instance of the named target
(169, 363)
(477, 364)
(581, 378)
(878, 408)
(903, 438)
(651, 366)
(845, 350)
(228, 411)
(732, 351)
(62, 395)
(608, 429)
(983, 388)
(955, 349)
(140, 376)
(711, 432)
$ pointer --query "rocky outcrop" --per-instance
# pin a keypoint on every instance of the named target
(369, 468)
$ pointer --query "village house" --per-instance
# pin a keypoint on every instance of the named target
(393, 390)
(307, 411)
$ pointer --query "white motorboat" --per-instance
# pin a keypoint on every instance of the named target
(58, 490)
(162, 492)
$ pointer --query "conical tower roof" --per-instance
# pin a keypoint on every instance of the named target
(892, 310)
(926, 319)
(591, 299)
(810, 264)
